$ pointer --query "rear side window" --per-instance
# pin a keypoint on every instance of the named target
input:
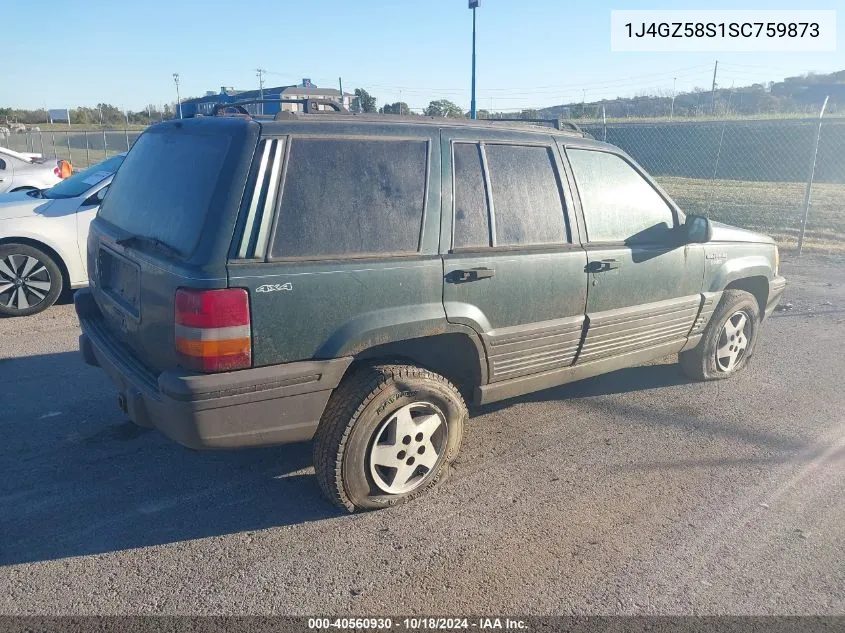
(619, 204)
(527, 202)
(164, 187)
(345, 197)
(471, 212)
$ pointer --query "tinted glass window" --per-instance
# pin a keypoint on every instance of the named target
(2, 164)
(351, 196)
(619, 204)
(165, 185)
(471, 214)
(526, 196)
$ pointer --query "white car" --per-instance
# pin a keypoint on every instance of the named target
(27, 171)
(44, 236)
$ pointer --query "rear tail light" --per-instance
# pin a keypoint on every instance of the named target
(213, 329)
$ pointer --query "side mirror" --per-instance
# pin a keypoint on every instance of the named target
(697, 229)
(101, 195)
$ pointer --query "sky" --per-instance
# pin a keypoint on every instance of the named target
(530, 53)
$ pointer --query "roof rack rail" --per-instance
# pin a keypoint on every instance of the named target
(308, 105)
(558, 124)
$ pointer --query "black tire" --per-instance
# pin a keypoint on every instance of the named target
(41, 286)
(359, 413)
(701, 362)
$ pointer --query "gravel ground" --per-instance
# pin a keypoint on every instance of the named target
(637, 492)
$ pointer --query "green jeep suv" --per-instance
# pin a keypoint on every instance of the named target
(358, 279)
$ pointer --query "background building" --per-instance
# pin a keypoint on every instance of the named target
(305, 90)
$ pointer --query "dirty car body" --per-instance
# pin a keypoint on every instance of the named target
(496, 259)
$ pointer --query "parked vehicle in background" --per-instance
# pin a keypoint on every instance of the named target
(356, 279)
(27, 171)
(43, 236)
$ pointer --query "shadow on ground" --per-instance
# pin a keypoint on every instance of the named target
(78, 478)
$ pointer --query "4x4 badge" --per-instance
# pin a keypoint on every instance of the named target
(274, 287)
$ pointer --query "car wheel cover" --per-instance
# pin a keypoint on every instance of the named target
(407, 447)
(24, 282)
(732, 345)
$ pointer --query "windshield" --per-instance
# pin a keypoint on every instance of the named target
(79, 183)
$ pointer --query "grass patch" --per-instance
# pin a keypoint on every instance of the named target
(774, 208)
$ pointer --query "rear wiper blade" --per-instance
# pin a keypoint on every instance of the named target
(142, 240)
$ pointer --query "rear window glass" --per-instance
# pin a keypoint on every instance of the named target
(351, 196)
(526, 196)
(165, 185)
(471, 211)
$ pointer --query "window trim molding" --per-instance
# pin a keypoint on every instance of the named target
(291, 139)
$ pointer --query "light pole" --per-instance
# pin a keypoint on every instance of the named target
(473, 4)
(178, 99)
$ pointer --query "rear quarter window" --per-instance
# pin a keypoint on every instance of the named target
(346, 197)
(165, 186)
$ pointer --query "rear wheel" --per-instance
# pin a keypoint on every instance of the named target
(388, 435)
(30, 281)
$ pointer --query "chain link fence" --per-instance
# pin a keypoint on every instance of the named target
(81, 147)
(749, 173)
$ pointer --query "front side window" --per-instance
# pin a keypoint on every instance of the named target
(346, 197)
(619, 205)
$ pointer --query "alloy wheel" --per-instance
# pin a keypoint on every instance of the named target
(733, 342)
(406, 447)
(24, 281)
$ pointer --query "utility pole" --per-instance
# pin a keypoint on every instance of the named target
(178, 99)
(713, 89)
(473, 4)
(259, 72)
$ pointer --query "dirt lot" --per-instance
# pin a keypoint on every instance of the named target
(637, 492)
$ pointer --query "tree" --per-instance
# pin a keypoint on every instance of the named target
(368, 102)
(529, 114)
(400, 107)
(444, 108)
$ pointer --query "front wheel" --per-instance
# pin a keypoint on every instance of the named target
(728, 341)
(30, 281)
(388, 435)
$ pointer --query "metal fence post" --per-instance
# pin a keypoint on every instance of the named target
(126, 134)
(809, 192)
(105, 152)
(41, 138)
(87, 150)
(604, 121)
(53, 140)
(69, 153)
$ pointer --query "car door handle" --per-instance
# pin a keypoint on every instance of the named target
(602, 265)
(471, 274)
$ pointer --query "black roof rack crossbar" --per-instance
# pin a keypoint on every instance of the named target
(308, 105)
